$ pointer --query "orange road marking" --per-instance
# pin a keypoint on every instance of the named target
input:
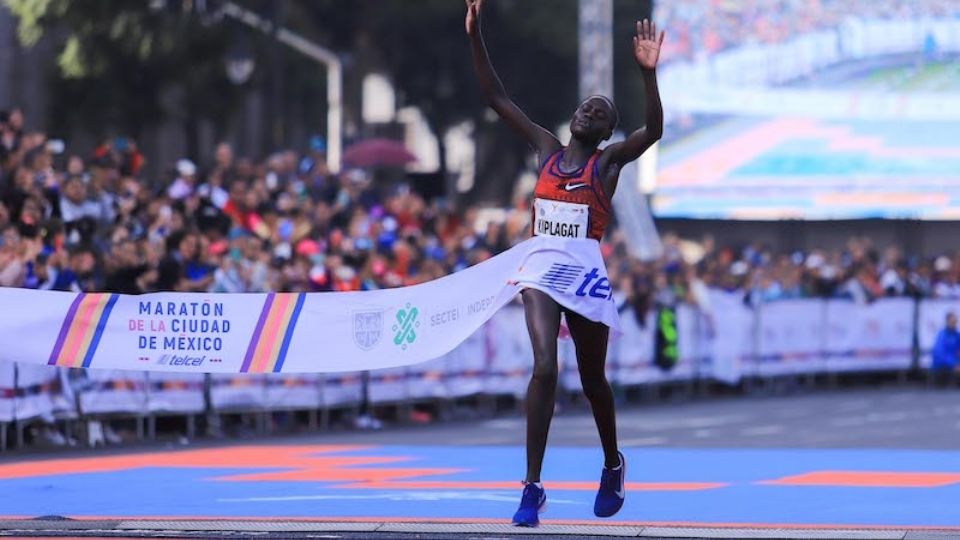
(869, 479)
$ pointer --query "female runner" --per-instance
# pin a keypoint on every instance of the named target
(572, 178)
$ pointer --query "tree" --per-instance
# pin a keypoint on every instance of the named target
(118, 59)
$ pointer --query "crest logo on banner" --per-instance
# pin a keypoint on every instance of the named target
(367, 328)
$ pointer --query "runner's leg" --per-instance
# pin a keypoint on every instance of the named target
(590, 339)
(543, 324)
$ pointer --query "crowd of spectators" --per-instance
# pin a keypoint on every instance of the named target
(84, 223)
(858, 272)
(707, 27)
(286, 224)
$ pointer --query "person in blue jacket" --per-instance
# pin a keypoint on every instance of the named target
(946, 350)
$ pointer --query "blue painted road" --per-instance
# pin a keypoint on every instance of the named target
(682, 486)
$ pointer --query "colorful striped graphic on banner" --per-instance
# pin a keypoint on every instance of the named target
(271, 338)
(81, 330)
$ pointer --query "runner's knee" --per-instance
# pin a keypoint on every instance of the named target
(594, 382)
(545, 369)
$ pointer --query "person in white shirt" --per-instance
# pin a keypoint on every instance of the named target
(185, 183)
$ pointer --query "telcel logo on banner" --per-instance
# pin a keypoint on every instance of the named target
(181, 360)
(562, 276)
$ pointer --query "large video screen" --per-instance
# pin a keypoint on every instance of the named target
(851, 115)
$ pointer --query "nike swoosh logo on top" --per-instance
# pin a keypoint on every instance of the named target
(571, 187)
(622, 493)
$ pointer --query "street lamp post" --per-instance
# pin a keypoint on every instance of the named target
(596, 47)
(317, 53)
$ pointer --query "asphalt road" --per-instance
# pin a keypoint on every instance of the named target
(907, 417)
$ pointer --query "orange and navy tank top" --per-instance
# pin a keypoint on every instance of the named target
(570, 204)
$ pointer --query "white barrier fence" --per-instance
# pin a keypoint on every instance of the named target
(732, 342)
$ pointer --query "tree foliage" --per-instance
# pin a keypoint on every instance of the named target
(117, 58)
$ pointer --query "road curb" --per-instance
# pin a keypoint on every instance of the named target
(239, 528)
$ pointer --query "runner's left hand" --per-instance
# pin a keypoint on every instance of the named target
(646, 44)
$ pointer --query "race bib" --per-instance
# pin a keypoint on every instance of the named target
(560, 219)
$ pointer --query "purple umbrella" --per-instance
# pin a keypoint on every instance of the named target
(377, 153)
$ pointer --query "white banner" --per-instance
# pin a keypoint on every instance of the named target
(297, 333)
(175, 393)
(28, 392)
(241, 392)
(692, 333)
(48, 380)
(37, 388)
(790, 337)
(341, 390)
(568, 370)
(511, 353)
(732, 329)
(388, 385)
(633, 351)
(429, 379)
(869, 337)
(303, 391)
(109, 391)
(464, 368)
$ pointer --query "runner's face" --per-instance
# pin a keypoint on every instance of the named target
(593, 120)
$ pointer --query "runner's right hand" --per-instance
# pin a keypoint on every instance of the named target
(473, 16)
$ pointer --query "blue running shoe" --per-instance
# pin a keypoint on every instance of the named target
(533, 502)
(611, 494)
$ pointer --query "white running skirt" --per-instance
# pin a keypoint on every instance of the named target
(296, 332)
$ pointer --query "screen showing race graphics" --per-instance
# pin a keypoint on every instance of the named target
(873, 123)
